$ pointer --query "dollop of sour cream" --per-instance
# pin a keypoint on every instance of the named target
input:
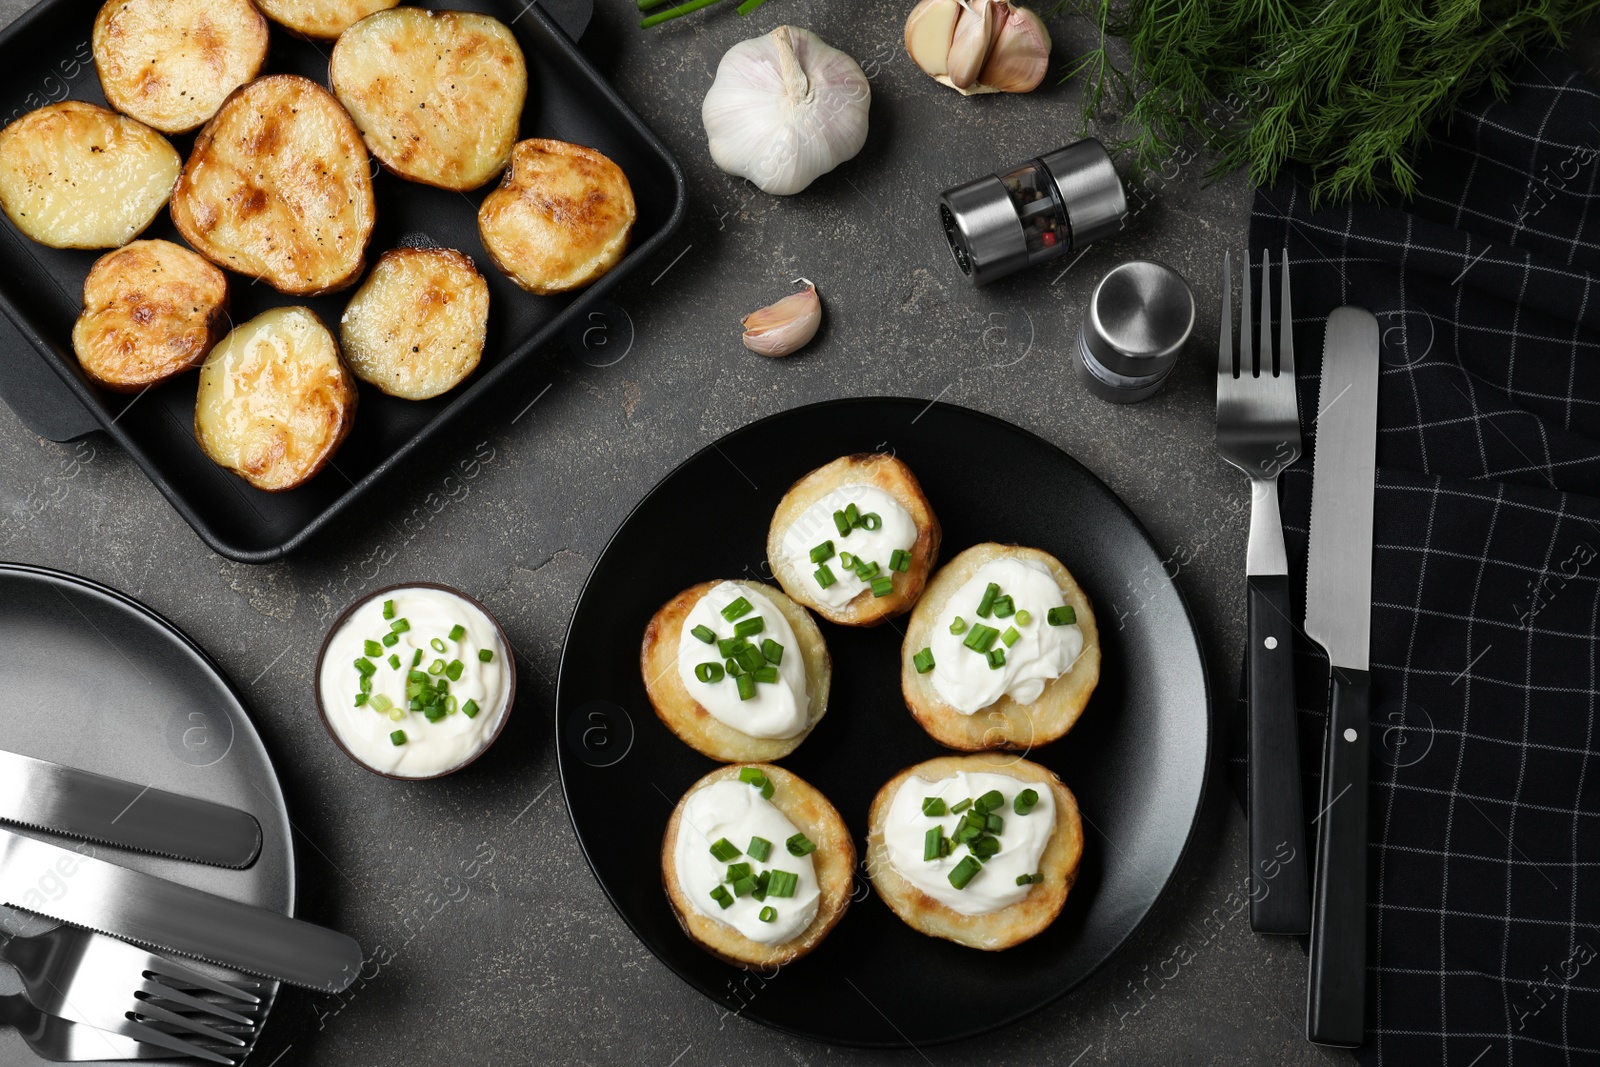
(427, 748)
(815, 525)
(777, 709)
(1022, 840)
(1041, 654)
(735, 811)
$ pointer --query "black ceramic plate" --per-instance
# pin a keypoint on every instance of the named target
(96, 680)
(1136, 760)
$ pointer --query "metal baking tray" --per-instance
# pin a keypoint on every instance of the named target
(46, 57)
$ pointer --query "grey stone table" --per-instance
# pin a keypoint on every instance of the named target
(534, 965)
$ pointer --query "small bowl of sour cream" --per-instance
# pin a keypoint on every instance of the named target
(415, 681)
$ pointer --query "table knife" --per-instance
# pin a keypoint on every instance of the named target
(77, 888)
(48, 796)
(1339, 618)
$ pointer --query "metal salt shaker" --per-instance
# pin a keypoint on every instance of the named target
(1139, 318)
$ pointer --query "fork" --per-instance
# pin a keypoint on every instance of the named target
(54, 1038)
(90, 978)
(1258, 431)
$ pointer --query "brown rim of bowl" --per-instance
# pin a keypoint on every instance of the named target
(338, 624)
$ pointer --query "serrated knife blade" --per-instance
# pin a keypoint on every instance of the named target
(65, 800)
(79, 889)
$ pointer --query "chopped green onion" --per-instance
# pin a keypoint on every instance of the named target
(457, 632)
(984, 847)
(453, 669)
(933, 806)
(400, 626)
(397, 738)
(900, 560)
(866, 569)
(824, 576)
(365, 665)
(968, 831)
(710, 673)
(372, 648)
(485, 655)
(752, 775)
(781, 883)
(747, 686)
(800, 845)
(397, 714)
(1011, 636)
(994, 824)
(452, 705)
(750, 658)
(749, 627)
(706, 634)
(871, 521)
(987, 603)
(1065, 615)
(1024, 801)
(388, 609)
(744, 887)
(960, 806)
(723, 850)
(470, 709)
(981, 639)
(762, 881)
(436, 667)
(736, 610)
(847, 561)
(728, 646)
(767, 674)
(963, 872)
(394, 661)
(417, 658)
(1024, 617)
(882, 585)
(722, 897)
(760, 848)
(822, 553)
(841, 523)
(958, 625)
(380, 703)
(990, 801)
(737, 871)
(361, 698)
(1003, 608)
(923, 661)
(997, 658)
(852, 515)
(731, 665)
(768, 914)
(436, 644)
(930, 844)
(1029, 879)
(391, 639)
(771, 651)
(433, 712)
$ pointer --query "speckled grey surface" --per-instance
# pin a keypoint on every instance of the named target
(533, 965)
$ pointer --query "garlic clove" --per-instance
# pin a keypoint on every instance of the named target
(1020, 55)
(929, 29)
(969, 45)
(785, 327)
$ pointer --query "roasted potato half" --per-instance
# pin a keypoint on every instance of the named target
(437, 94)
(275, 400)
(1004, 723)
(321, 19)
(278, 188)
(833, 860)
(415, 328)
(171, 63)
(151, 309)
(1007, 926)
(560, 218)
(794, 533)
(688, 718)
(73, 175)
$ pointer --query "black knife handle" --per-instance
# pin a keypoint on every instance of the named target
(1280, 902)
(1337, 993)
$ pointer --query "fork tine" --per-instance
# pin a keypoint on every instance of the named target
(151, 1036)
(191, 978)
(160, 992)
(147, 1010)
(1247, 355)
(1265, 354)
(1285, 323)
(1225, 343)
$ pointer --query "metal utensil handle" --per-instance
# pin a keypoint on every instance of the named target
(1337, 990)
(1280, 900)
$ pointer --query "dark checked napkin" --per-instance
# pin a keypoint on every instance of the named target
(1484, 891)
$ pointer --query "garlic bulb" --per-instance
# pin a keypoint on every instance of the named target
(785, 327)
(979, 46)
(785, 109)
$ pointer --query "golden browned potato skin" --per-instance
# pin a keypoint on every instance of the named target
(834, 861)
(279, 188)
(275, 401)
(998, 929)
(416, 326)
(151, 309)
(436, 94)
(74, 175)
(1005, 723)
(171, 63)
(321, 20)
(883, 472)
(688, 718)
(560, 218)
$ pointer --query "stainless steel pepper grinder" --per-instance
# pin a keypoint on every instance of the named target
(1033, 212)
(1139, 319)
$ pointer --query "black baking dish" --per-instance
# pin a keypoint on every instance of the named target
(46, 57)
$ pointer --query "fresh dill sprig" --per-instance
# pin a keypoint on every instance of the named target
(1348, 88)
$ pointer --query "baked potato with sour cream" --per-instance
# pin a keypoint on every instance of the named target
(881, 471)
(996, 929)
(171, 63)
(74, 175)
(320, 19)
(560, 217)
(151, 309)
(1004, 723)
(279, 188)
(686, 717)
(834, 861)
(275, 401)
(416, 326)
(437, 95)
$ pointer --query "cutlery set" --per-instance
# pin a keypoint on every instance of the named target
(1258, 431)
(90, 992)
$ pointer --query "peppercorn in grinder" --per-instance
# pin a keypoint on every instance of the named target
(1036, 211)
